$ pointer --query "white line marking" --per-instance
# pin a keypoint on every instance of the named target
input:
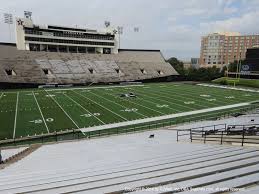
(173, 96)
(116, 103)
(101, 106)
(165, 117)
(15, 118)
(1, 95)
(229, 88)
(159, 98)
(84, 108)
(150, 101)
(63, 110)
(40, 112)
(85, 88)
(140, 105)
(100, 87)
(191, 95)
(215, 93)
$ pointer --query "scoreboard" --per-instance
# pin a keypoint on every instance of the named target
(251, 63)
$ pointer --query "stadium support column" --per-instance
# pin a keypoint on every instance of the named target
(120, 32)
(1, 157)
(8, 19)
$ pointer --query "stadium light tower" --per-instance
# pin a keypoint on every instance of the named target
(107, 24)
(27, 14)
(8, 19)
(120, 32)
(136, 29)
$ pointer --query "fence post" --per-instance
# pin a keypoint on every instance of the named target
(191, 134)
(225, 127)
(204, 139)
(221, 141)
(243, 135)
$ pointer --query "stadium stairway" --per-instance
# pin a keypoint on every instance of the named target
(18, 156)
(118, 164)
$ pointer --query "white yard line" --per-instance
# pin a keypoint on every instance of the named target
(117, 104)
(63, 110)
(140, 105)
(1, 95)
(147, 120)
(86, 88)
(187, 93)
(41, 112)
(15, 118)
(101, 106)
(157, 104)
(84, 108)
(229, 88)
(159, 98)
(226, 93)
(165, 95)
(100, 87)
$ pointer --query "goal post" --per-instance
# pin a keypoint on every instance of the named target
(242, 74)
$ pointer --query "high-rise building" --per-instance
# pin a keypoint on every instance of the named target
(219, 49)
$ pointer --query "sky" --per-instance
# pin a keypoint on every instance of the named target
(173, 26)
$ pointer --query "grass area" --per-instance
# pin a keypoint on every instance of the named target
(26, 113)
(241, 82)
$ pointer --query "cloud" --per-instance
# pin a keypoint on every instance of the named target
(246, 24)
(230, 10)
(170, 25)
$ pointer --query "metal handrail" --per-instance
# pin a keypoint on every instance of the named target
(223, 136)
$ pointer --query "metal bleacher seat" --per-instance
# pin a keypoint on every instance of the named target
(111, 170)
(124, 66)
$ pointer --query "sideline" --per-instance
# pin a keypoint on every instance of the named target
(146, 120)
(228, 87)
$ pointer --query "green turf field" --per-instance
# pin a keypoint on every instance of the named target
(34, 112)
(239, 82)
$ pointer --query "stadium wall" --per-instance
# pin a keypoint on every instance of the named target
(29, 68)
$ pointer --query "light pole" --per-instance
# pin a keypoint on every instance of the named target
(27, 14)
(120, 32)
(136, 29)
(8, 19)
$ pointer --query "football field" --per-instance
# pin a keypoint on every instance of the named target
(40, 111)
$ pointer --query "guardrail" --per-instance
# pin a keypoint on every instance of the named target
(190, 132)
(223, 133)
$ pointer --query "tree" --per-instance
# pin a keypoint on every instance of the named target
(232, 67)
(177, 65)
(193, 74)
